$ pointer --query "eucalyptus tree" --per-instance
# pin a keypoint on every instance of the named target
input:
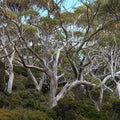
(107, 70)
(7, 39)
(85, 35)
(42, 40)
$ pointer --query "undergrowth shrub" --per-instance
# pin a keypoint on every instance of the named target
(23, 114)
(69, 109)
(26, 99)
(20, 70)
(111, 110)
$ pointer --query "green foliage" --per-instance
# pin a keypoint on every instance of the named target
(78, 33)
(18, 5)
(110, 8)
(11, 101)
(6, 114)
(19, 82)
(79, 117)
(111, 110)
(30, 32)
(81, 10)
(69, 109)
(67, 17)
(29, 29)
(116, 106)
(31, 13)
(2, 76)
(20, 70)
(91, 79)
(30, 99)
(22, 114)
(31, 103)
(47, 23)
(32, 94)
(10, 14)
(29, 84)
(37, 115)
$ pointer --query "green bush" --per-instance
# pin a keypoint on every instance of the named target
(69, 109)
(20, 70)
(31, 103)
(22, 114)
(6, 114)
(27, 99)
(37, 115)
(29, 84)
(10, 100)
(116, 106)
(32, 93)
(70, 115)
(18, 83)
(52, 114)
(79, 117)
(2, 76)
(111, 110)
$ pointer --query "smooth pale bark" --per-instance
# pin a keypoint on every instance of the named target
(42, 81)
(11, 73)
(66, 89)
(53, 88)
(10, 82)
(70, 85)
(10, 60)
(101, 94)
(33, 79)
(54, 80)
(117, 83)
(37, 85)
(109, 76)
(118, 89)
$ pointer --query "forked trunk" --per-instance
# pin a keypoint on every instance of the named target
(53, 89)
(37, 85)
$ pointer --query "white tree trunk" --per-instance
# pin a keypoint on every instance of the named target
(101, 94)
(33, 79)
(10, 64)
(54, 99)
(41, 82)
(10, 82)
(11, 76)
(37, 85)
(11, 72)
(118, 89)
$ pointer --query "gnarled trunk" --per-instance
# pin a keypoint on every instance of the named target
(66, 89)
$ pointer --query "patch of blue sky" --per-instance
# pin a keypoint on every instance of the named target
(70, 5)
(67, 5)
